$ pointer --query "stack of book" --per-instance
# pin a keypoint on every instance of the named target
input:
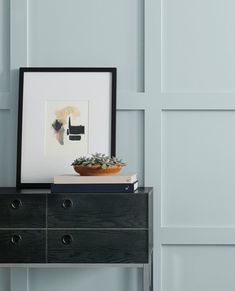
(95, 184)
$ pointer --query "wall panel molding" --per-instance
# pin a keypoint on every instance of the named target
(198, 101)
(127, 100)
(197, 235)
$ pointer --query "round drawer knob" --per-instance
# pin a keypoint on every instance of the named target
(15, 204)
(15, 239)
(67, 239)
(67, 203)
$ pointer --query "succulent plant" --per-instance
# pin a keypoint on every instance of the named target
(98, 159)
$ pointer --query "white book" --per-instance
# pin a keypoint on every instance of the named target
(113, 179)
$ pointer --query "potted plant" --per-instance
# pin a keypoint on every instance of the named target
(97, 165)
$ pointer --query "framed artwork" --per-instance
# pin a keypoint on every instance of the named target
(64, 113)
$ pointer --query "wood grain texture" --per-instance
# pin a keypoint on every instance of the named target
(98, 246)
(30, 249)
(30, 213)
(103, 210)
(114, 227)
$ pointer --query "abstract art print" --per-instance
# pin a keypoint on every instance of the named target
(66, 128)
(63, 113)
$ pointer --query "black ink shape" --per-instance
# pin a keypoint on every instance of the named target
(59, 130)
(75, 137)
(75, 131)
(57, 125)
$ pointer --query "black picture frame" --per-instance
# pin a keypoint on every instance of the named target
(32, 80)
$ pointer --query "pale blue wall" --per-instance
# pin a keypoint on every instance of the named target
(76, 33)
(175, 124)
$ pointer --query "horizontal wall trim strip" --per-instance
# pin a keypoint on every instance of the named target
(70, 265)
(223, 100)
(197, 235)
(197, 109)
(4, 100)
(129, 100)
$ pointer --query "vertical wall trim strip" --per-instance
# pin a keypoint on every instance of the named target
(141, 46)
(27, 36)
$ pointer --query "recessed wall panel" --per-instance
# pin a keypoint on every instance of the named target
(4, 46)
(198, 268)
(89, 33)
(130, 141)
(198, 45)
(198, 166)
(89, 279)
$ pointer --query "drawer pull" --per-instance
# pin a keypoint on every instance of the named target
(15, 204)
(67, 203)
(67, 239)
(15, 239)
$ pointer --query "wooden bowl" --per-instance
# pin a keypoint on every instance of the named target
(96, 170)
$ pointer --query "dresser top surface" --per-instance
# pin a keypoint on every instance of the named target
(13, 190)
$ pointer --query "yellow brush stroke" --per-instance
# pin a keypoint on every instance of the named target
(62, 114)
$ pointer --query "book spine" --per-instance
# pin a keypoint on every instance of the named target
(95, 180)
(94, 188)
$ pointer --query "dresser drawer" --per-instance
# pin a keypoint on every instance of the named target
(97, 246)
(22, 246)
(98, 210)
(25, 211)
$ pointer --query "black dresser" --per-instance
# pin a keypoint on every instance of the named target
(37, 228)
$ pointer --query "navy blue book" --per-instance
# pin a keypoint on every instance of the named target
(94, 188)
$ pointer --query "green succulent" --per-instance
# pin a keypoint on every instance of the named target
(98, 159)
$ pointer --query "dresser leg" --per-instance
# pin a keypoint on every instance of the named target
(146, 277)
(151, 272)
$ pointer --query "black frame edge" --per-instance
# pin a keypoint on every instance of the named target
(113, 112)
(22, 70)
(19, 126)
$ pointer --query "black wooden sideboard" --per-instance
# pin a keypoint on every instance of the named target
(38, 228)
